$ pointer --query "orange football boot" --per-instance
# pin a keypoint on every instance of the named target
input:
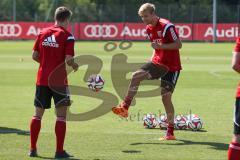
(167, 137)
(120, 110)
(169, 134)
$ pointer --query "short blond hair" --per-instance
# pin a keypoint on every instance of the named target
(146, 7)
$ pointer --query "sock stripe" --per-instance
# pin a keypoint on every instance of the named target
(62, 119)
(36, 118)
(170, 125)
(234, 147)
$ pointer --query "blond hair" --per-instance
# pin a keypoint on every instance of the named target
(146, 7)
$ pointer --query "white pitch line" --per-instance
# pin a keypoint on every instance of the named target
(215, 74)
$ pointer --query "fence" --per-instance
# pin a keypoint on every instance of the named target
(90, 12)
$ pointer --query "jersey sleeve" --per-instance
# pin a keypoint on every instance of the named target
(69, 49)
(36, 44)
(237, 46)
(172, 34)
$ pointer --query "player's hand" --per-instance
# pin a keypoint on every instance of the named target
(75, 67)
(156, 45)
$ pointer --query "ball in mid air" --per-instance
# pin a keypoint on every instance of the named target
(95, 82)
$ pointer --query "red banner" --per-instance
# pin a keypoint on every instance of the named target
(119, 31)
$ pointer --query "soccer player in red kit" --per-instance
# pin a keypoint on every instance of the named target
(234, 147)
(166, 45)
(54, 46)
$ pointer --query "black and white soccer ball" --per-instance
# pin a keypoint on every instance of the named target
(149, 121)
(194, 122)
(180, 122)
(95, 82)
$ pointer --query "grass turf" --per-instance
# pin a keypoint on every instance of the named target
(206, 87)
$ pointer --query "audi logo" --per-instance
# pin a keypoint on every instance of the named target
(184, 31)
(101, 31)
(10, 30)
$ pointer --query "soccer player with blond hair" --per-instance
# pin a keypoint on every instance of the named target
(165, 65)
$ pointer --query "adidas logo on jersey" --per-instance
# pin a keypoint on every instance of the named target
(50, 42)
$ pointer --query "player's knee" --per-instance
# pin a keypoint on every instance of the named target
(39, 112)
(61, 111)
(236, 138)
(139, 75)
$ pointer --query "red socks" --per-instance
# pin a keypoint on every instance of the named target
(60, 130)
(170, 129)
(35, 127)
(127, 102)
(234, 151)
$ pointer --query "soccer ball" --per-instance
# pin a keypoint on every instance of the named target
(180, 122)
(149, 121)
(95, 83)
(194, 122)
(162, 121)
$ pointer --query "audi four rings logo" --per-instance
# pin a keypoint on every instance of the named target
(184, 31)
(101, 31)
(10, 30)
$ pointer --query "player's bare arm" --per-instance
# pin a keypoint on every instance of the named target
(70, 61)
(235, 62)
(170, 46)
(35, 56)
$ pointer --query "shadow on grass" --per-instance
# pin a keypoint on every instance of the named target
(213, 145)
(6, 130)
(131, 151)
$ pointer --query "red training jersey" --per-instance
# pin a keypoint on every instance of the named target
(164, 32)
(53, 44)
(237, 51)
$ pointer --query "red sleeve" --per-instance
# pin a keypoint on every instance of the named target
(237, 46)
(69, 50)
(172, 34)
(36, 44)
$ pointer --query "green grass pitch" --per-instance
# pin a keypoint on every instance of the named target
(206, 86)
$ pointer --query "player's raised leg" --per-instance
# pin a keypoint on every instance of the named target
(35, 127)
(137, 77)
